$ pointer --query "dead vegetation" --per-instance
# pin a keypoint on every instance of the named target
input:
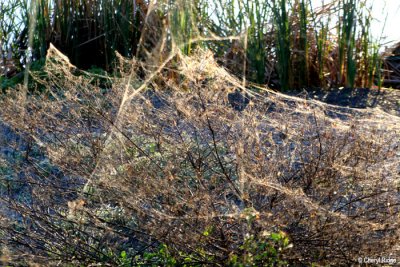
(139, 166)
(391, 66)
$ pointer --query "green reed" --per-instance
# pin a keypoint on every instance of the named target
(90, 31)
(87, 31)
(299, 20)
(346, 34)
(182, 23)
(281, 19)
(258, 13)
(256, 38)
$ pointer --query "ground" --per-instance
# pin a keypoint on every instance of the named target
(386, 99)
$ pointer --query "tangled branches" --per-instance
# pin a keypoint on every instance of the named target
(116, 169)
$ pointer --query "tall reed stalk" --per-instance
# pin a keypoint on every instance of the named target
(281, 18)
(322, 51)
(346, 32)
(304, 47)
(368, 49)
(183, 24)
(89, 32)
(258, 13)
(299, 46)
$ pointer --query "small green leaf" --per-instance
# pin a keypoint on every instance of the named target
(123, 254)
(275, 236)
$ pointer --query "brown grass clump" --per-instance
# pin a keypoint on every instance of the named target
(139, 165)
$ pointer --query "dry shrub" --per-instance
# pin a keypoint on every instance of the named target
(139, 165)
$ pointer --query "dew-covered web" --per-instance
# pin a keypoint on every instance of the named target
(180, 146)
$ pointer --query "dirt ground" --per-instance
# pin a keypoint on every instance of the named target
(385, 99)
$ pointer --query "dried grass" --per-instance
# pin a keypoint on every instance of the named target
(154, 160)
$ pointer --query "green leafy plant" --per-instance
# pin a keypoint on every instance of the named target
(262, 251)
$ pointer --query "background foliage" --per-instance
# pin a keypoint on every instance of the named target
(284, 43)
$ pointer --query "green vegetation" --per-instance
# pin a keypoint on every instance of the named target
(264, 251)
(281, 17)
(257, 40)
